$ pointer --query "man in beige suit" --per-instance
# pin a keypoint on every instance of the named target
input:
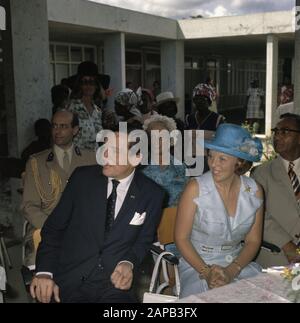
(47, 174)
(282, 193)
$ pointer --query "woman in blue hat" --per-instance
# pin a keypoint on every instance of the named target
(218, 211)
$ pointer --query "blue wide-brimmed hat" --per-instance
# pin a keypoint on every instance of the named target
(236, 141)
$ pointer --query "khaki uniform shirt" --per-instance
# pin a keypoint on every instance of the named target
(35, 207)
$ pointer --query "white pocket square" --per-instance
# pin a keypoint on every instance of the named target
(138, 219)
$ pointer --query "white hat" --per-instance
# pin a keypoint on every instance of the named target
(165, 97)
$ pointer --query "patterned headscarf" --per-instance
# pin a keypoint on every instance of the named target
(126, 97)
(206, 90)
(129, 99)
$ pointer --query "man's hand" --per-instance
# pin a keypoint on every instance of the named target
(122, 276)
(290, 251)
(42, 287)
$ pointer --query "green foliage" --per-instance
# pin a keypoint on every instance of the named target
(268, 152)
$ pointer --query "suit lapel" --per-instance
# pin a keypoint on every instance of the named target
(129, 205)
(97, 205)
(280, 175)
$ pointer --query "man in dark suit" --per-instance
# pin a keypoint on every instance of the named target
(83, 257)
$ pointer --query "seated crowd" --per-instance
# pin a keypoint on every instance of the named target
(99, 222)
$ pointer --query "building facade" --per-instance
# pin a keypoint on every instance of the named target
(136, 47)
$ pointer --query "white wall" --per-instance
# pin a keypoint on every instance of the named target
(256, 24)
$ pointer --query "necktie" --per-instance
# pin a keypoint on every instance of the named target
(66, 162)
(111, 205)
(294, 179)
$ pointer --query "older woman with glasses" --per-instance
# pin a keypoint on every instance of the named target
(86, 91)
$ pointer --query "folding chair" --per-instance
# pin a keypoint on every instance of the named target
(36, 238)
(165, 234)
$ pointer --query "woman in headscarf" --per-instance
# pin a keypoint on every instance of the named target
(126, 102)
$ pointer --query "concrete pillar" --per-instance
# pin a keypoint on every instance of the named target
(271, 82)
(2, 18)
(114, 62)
(26, 80)
(172, 71)
(297, 60)
(26, 72)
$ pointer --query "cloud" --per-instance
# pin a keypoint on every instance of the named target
(185, 9)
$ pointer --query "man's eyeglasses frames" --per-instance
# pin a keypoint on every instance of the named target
(283, 131)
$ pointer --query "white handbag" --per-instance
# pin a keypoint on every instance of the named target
(156, 296)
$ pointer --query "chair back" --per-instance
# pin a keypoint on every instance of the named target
(165, 231)
(36, 238)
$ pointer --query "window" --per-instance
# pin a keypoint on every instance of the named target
(134, 67)
(65, 58)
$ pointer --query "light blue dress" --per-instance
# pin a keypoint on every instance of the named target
(172, 179)
(216, 236)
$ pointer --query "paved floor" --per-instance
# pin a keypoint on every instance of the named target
(16, 292)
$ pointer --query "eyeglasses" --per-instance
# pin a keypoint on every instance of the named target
(283, 131)
(87, 82)
(60, 126)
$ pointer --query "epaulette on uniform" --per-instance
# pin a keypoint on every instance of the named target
(50, 156)
(42, 153)
(77, 151)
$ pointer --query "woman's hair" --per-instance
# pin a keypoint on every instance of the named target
(77, 93)
(243, 166)
(169, 123)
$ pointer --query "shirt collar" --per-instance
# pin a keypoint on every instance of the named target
(124, 182)
(287, 162)
(60, 152)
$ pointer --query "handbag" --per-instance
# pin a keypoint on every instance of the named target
(156, 296)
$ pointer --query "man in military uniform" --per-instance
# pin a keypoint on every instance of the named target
(47, 174)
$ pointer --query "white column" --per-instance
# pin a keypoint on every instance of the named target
(114, 62)
(26, 70)
(271, 82)
(172, 71)
(297, 60)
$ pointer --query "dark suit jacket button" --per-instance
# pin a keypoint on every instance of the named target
(82, 278)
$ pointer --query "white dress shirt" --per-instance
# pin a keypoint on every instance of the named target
(59, 153)
(122, 190)
(296, 166)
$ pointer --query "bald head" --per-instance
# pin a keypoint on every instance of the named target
(69, 115)
(65, 126)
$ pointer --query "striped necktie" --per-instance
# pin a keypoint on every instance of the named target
(294, 179)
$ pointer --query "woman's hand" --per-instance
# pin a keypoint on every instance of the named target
(218, 277)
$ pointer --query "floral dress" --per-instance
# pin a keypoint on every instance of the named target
(172, 179)
(90, 125)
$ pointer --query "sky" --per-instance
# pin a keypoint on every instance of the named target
(180, 9)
